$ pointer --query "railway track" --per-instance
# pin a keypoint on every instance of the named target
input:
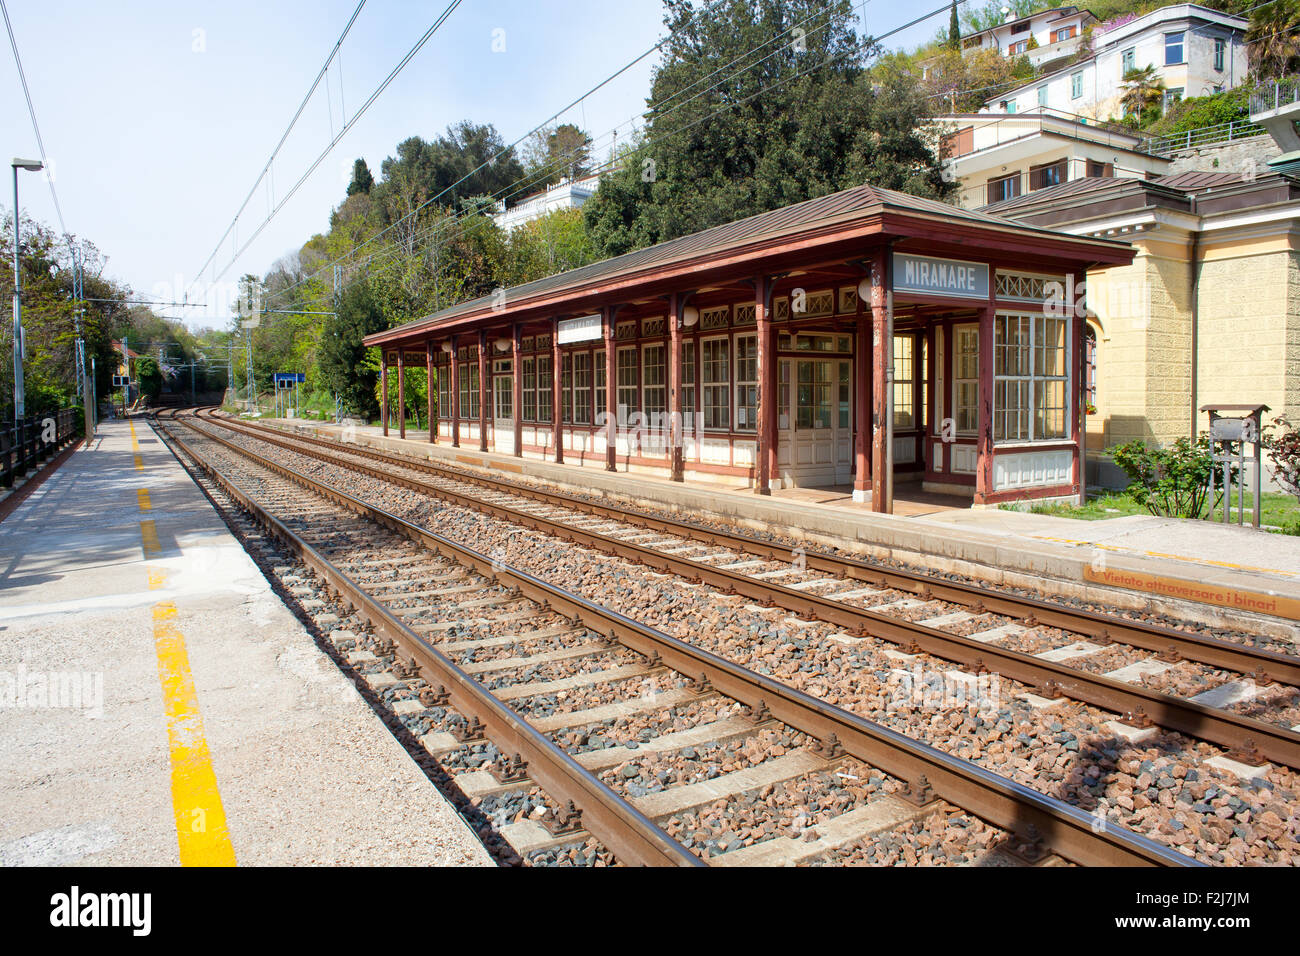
(545, 685)
(1241, 697)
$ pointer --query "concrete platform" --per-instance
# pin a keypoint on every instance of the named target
(1210, 573)
(206, 727)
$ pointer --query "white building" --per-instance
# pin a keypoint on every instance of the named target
(995, 157)
(1196, 51)
(566, 194)
(1043, 36)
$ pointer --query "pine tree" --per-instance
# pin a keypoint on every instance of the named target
(954, 29)
(362, 179)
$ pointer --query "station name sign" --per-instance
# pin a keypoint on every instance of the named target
(931, 276)
(585, 328)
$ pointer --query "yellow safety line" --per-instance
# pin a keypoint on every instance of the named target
(1161, 554)
(135, 447)
(202, 835)
(201, 831)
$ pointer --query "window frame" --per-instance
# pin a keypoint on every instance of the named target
(581, 401)
(1029, 381)
(622, 389)
(1127, 61)
(707, 384)
(958, 379)
(742, 387)
(545, 383)
(503, 374)
(1220, 54)
(1076, 85)
(1181, 46)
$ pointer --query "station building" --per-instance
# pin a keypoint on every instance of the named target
(866, 338)
(1208, 311)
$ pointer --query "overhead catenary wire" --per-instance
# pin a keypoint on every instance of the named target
(454, 220)
(36, 128)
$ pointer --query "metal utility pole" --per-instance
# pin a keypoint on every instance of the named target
(20, 409)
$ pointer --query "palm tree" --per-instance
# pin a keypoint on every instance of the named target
(1143, 89)
(1273, 39)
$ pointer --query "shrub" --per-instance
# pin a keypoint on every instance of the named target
(1173, 482)
(1282, 446)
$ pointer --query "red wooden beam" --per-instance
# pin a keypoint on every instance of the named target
(483, 380)
(383, 391)
(455, 391)
(401, 393)
(862, 392)
(879, 397)
(433, 392)
(517, 387)
(608, 314)
(677, 469)
(556, 366)
(984, 463)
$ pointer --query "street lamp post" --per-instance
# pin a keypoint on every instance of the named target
(30, 165)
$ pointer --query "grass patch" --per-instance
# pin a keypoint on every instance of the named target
(1280, 511)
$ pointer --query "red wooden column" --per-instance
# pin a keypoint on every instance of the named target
(482, 390)
(383, 391)
(677, 469)
(455, 391)
(401, 393)
(765, 427)
(1076, 307)
(984, 464)
(861, 403)
(517, 390)
(432, 390)
(556, 415)
(879, 397)
(611, 390)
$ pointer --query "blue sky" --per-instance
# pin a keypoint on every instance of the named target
(158, 116)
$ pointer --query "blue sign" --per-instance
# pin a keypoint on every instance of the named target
(290, 377)
(948, 277)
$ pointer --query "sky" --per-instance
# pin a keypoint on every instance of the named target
(158, 117)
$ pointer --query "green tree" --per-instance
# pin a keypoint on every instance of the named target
(1273, 39)
(560, 152)
(954, 28)
(342, 366)
(723, 142)
(1143, 93)
(362, 178)
(149, 376)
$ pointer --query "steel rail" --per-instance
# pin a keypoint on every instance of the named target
(1244, 736)
(1005, 803)
(632, 836)
(1171, 642)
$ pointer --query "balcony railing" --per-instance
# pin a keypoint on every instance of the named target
(1205, 136)
(1277, 94)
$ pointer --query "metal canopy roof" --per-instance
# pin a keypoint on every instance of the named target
(848, 207)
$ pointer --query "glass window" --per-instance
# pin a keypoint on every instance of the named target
(1128, 60)
(904, 382)
(503, 385)
(1173, 48)
(654, 391)
(469, 389)
(1172, 96)
(1029, 367)
(600, 382)
(627, 398)
(1007, 187)
(746, 383)
(1042, 96)
(717, 385)
(530, 389)
(966, 379)
(444, 374)
(688, 383)
(814, 395)
(1090, 364)
(566, 388)
(1220, 47)
(582, 388)
(545, 397)
(844, 396)
(1076, 85)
